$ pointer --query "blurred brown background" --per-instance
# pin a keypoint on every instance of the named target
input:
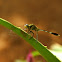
(46, 14)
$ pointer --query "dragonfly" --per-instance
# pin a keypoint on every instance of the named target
(30, 27)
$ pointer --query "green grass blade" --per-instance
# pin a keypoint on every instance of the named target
(49, 57)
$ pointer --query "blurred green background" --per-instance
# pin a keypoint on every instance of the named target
(45, 14)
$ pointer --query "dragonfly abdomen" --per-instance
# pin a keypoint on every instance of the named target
(49, 32)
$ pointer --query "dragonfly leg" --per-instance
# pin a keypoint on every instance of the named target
(32, 33)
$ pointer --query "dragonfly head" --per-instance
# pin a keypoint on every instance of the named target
(26, 25)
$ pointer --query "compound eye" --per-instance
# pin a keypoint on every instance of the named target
(26, 25)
